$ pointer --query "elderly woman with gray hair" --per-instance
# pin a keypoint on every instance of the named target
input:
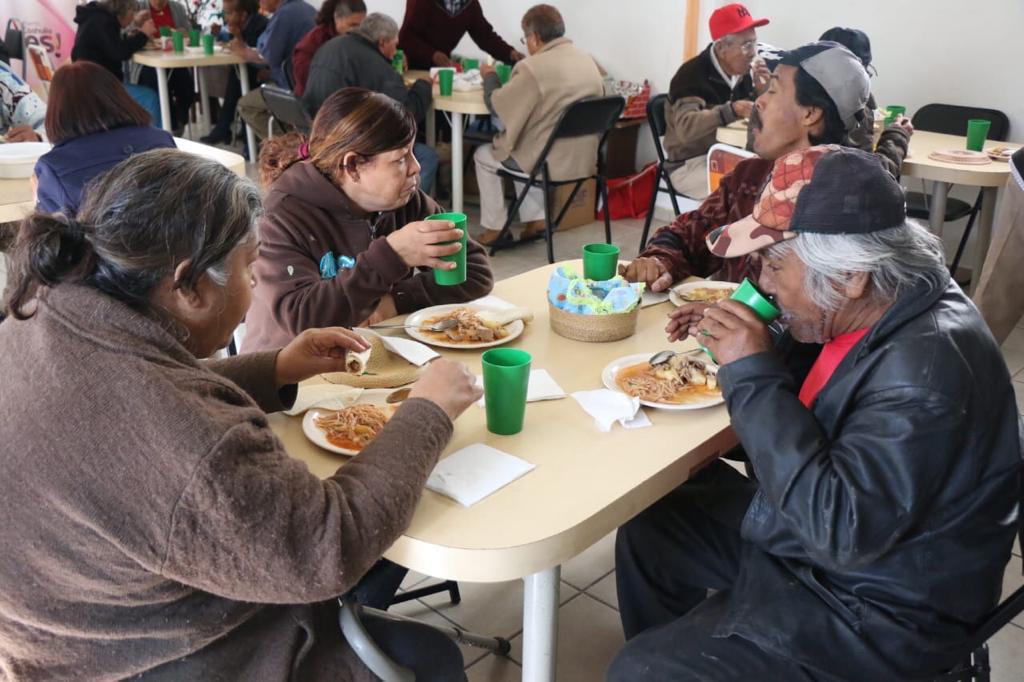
(162, 530)
(874, 536)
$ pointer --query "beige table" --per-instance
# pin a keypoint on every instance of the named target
(459, 104)
(989, 178)
(16, 198)
(585, 485)
(193, 57)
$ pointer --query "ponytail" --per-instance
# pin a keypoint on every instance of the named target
(50, 249)
(279, 154)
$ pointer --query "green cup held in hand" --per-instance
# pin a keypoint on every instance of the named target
(458, 274)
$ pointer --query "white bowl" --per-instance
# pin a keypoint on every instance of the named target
(18, 159)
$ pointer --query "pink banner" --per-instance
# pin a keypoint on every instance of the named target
(48, 23)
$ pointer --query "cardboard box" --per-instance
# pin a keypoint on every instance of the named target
(583, 209)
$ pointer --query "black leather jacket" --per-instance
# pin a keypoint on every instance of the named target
(886, 513)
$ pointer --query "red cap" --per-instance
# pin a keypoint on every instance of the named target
(733, 18)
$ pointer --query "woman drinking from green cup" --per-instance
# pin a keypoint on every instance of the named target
(345, 240)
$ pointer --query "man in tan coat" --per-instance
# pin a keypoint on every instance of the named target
(541, 88)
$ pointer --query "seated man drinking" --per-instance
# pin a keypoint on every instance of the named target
(873, 540)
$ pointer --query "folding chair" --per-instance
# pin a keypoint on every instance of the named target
(285, 107)
(588, 116)
(952, 120)
(722, 159)
(14, 41)
(663, 183)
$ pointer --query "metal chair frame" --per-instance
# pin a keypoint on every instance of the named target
(656, 120)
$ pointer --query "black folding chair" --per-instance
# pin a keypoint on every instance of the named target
(588, 116)
(952, 120)
(14, 41)
(656, 119)
(285, 107)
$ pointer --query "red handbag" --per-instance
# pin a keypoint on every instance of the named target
(630, 196)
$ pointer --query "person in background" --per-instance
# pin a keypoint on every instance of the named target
(816, 95)
(93, 124)
(180, 86)
(190, 545)
(289, 21)
(713, 89)
(1001, 282)
(21, 111)
(246, 25)
(99, 39)
(542, 86)
(896, 136)
(335, 18)
(873, 537)
(344, 240)
(432, 28)
(362, 59)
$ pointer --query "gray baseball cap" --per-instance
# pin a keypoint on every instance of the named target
(839, 72)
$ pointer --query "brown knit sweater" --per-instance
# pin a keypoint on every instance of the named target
(154, 526)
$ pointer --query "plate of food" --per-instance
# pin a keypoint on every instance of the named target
(1001, 153)
(704, 291)
(348, 430)
(468, 325)
(685, 381)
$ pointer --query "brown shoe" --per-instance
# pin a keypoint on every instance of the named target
(487, 237)
(534, 228)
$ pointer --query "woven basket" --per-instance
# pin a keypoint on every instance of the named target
(593, 328)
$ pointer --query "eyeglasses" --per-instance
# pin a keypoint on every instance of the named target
(525, 38)
(748, 47)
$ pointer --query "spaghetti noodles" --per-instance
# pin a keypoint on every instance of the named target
(353, 428)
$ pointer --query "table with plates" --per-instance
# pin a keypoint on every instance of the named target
(194, 57)
(585, 484)
(16, 198)
(917, 164)
(459, 104)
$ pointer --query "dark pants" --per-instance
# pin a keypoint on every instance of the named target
(431, 655)
(180, 88)
(232, 93)
(666, 560)
(377, 588)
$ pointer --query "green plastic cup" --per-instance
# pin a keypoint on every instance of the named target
(600, 261)
(445, 81)
(193, 37)
(165, 31)
(977, 131)
(178, 40)
(398, 62)
(458, 275)
(504, 72)
(894, 111)
(468, 64)
(749, 295)
(208, 41)
(506, 380)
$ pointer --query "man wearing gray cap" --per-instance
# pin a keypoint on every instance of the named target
(816, 95)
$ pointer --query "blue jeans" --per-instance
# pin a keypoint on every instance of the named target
(429, 161)
(147, 99)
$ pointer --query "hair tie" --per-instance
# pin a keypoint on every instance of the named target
(304, 150)
(74, 228)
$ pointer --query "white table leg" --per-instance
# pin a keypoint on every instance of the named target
(165, 98)
(983, 232)
(937, 212)
(431, 126)
(250, 136)
(456, 162)
(540, 624)
(204, 100)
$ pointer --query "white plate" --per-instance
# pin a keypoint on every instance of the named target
(421, 316)
(18, 159)
(674, 293)
(371, 396)
(609, 373)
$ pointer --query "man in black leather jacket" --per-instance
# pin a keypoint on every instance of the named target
(875, 536)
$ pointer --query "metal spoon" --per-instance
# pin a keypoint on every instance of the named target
(441, 326)
(397, 396)
(661, 358)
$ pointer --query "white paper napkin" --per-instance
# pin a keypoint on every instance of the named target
(413, 351)
(652, 298)
(542, 386)
(474, 472)
(493, 302)
(608, 407)
(325, 396)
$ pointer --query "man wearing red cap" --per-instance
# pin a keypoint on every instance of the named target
(711, 90)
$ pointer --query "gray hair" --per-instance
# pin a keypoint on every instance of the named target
(895, 259)
(120, 8)
(377, 27)
(545, 21)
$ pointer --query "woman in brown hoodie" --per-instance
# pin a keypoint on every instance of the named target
(344, 230)
(153, 524)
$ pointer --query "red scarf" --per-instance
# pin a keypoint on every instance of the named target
(825, 366)
(162, 17)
